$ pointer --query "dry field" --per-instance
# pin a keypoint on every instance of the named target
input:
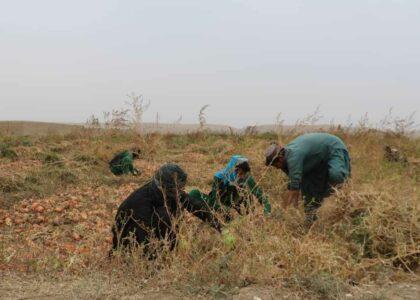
(58, 200)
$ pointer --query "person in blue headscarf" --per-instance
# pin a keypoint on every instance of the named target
(233, 187)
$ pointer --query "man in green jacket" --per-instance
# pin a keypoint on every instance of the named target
(122, 163)
(315, 164)
(229, 189)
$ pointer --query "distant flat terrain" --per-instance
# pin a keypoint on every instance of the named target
(44, 128)
(35, 128)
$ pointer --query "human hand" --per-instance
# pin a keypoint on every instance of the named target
(292, 198)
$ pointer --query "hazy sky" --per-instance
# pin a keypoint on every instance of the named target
(249, 59)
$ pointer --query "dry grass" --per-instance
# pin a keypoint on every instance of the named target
(58, 201)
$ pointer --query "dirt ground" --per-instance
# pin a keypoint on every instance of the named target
(92, 287)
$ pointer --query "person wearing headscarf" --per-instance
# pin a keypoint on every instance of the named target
(233, 187)
(315, 163)
(150, 210)
(123, 162)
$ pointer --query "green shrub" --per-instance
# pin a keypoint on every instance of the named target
(8, 153)
(26, 141)
(49, 158)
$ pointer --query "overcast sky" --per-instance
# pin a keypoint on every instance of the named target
(249, 59)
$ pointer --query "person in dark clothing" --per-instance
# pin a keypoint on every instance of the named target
(122, 163)
(314, 163)
(150, 211)
(229, 186)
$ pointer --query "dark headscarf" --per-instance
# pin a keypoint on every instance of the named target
(170, 179)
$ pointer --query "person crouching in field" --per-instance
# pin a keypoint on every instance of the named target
(315, 163)
(122, 163)
(151, 211)
(229, 189)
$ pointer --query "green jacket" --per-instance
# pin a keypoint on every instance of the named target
(122, 163)
(315, 160)
(224, 197)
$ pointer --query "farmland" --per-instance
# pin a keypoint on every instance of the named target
(58, 200)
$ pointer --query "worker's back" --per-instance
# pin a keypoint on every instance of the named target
(312, 150)
(316, 142)
(122, 163)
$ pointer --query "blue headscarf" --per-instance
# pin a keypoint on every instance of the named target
(229, 174)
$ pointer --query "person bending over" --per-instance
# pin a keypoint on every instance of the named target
(151, 210)
(233, 187)
(315, 163)
(122, 163)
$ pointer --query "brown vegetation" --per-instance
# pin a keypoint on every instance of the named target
(58, 200)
